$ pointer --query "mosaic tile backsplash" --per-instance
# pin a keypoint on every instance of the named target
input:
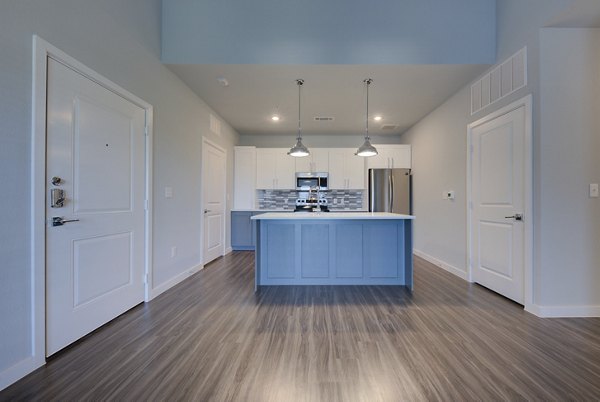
(339, 200)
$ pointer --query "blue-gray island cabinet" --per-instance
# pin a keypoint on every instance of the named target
(344, 248)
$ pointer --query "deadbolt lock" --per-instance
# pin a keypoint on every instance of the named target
(57, 198)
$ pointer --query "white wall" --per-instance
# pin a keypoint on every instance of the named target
(570, 148)
(439, 152)
(565, 283)
(120, 40)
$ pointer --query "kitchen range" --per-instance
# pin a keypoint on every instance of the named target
(312, 188)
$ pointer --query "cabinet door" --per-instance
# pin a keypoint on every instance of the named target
(337, 173)
(303, 164)
(381, 160)
(241, 230)
(355, 171)
(285, 170)
(401, 157)
(244, 177)
(391, 156)
(320, 160)
(317, 161)
(265, 168)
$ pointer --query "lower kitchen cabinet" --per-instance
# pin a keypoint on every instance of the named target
(243, 230)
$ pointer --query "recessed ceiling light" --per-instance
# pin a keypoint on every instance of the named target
(377, 118)
(275, 117)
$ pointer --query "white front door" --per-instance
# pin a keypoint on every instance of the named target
(498, 163)
(95, 156)
(213, 190)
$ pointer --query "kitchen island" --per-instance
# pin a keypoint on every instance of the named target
(334, 248)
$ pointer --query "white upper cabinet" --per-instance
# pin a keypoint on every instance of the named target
(317, 161)
(390, 157)
(275, 169)
(244, 177)
(346, 170)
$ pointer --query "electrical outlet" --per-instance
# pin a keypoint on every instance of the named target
(168, 192)
(593, 190)
(173, 251)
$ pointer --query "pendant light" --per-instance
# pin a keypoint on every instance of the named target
(366, 149)
(299, 150)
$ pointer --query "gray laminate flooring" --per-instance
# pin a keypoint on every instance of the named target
(211, 338)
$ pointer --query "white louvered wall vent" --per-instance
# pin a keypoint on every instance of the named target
(215, 125)
(500, 82)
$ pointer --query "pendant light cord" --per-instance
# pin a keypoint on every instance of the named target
(368, 81)
(299, 82)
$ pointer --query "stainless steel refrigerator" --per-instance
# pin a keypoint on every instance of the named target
(389, 191)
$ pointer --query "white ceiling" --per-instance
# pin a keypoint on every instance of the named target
(402, 94)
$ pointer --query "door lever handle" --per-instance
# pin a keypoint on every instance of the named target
(517, 217)
(206, 211)
(59, 221)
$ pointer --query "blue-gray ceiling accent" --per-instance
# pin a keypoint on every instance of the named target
(329, 32)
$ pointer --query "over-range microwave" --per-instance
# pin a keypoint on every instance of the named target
(312, 181)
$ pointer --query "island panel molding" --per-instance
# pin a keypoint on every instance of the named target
(334, 249)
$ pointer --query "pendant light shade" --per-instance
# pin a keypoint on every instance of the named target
(299, 150)
(367, 149)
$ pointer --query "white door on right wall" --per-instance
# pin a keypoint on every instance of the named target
(498, 169)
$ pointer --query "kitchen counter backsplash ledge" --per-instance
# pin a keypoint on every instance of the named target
(339, 200)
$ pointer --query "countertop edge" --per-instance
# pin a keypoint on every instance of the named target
(332, 216)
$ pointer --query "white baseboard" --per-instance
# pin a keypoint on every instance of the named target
(228, 250)
(174, 281)
(17, 371)
(439, 263)
(563, 311)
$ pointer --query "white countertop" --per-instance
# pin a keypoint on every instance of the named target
(261, 210)
(332, 215)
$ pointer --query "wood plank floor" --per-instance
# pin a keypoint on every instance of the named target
(212, 339)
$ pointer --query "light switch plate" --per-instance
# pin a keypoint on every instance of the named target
(448, 195)
(593, 190)
(168, 192)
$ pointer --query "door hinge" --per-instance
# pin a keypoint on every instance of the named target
(145, 279)
(146, 131)
(146, 205)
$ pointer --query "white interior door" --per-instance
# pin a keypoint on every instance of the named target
(213, 179)
(498, 199)
(95, 153)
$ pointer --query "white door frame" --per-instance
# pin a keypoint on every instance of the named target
(41, 51)
(224, 239)
(528, 189)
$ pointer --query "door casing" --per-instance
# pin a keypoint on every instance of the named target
(43, 50)
(528, 189)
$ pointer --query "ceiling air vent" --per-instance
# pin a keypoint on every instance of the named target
(389, 126)
(324, 118)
